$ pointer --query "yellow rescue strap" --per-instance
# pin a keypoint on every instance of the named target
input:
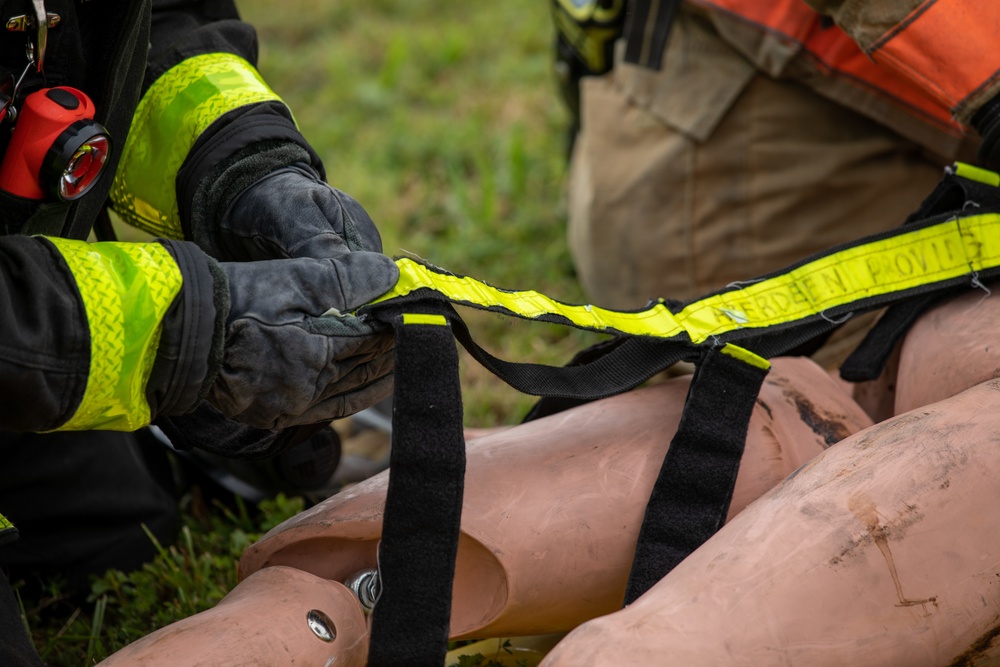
(966, 248)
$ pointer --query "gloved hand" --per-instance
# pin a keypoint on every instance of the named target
(292, 354)
(292, 213)
(269, 203)
(285, 351)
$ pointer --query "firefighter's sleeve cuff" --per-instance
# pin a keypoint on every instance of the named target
(175, 111)
(190, 349)
(238, 150)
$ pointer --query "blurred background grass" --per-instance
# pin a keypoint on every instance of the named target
(443, 120)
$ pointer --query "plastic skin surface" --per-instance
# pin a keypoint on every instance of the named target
(275, 617)
(949, 349)
(553, 507)
(884, 550)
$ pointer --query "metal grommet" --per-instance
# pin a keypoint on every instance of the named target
(321, 625)
(365, 584)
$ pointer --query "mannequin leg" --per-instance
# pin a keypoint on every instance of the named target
(884, 550)
(553, 507)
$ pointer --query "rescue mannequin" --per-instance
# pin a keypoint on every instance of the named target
(879, 552)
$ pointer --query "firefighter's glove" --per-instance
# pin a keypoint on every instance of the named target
(987, 122)
(291, 353)
(291, 212)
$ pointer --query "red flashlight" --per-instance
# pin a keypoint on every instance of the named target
(57, 148)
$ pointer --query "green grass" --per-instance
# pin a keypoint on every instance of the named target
(183, 579)
(443, 120)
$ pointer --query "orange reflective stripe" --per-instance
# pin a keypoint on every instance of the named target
(949, 47)
(834, 52)
(833, 49)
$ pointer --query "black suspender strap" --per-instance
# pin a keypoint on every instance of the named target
(872, 354)
(647, 29)
(423, 506)
(691, 495)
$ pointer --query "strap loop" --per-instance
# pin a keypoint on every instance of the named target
(423, 504)
(691, 495)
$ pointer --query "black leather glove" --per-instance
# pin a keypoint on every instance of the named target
(987, 123)
(291, 213)
(265, 203)
(292, 355)
(270, 344)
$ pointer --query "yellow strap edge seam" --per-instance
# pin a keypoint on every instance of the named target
(746, 356)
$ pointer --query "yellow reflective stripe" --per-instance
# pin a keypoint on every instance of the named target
(947, 250)
(977, 174)
(4, 523)
(952, 249)
(126, 289)
(746, 356)
(420, 318)
(173, 113)
(655, 321)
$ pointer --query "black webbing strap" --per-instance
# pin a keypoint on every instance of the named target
(647, 29)
(869, 358)
(620, 365)
(620, 368)
(550, 405)
(423, 504)
(691, 495)
(421, 522)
